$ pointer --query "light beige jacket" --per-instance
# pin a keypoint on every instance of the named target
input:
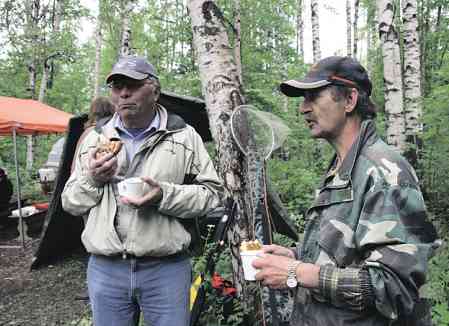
(174, 156)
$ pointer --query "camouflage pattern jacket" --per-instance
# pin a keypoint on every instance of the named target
(368, 230)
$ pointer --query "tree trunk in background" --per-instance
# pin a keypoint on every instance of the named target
(125, 46)
(348, 29)
(372, 39)
(238, 41)
(48, 61)
(98, 45)
(315, 31)
(424, 28)
(44, 80)
(222, 92)
(355, 29)
(300, 30)
(412, 81)
(32, 19)
(394, 107)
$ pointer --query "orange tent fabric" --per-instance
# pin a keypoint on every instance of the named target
(30, 117)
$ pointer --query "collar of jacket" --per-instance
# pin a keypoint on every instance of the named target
(169, 122)
(366, 137)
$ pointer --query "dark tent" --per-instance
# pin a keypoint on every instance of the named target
(62, 232)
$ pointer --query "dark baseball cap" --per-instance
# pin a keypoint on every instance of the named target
(332, 70)
(133, 67)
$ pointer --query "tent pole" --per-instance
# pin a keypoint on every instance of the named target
(19, 200)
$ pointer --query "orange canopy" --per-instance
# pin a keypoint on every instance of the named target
(30, 117)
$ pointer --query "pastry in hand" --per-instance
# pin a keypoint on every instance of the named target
(113, 145)
(250, 245)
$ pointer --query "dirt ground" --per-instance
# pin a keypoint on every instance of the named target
(47, 296)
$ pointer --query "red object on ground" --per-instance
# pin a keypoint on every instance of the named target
(41, 206)
(217, 281)
(226, 287)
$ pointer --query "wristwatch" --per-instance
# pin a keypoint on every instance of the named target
(292, 280)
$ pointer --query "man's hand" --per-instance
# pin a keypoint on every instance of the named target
(152, 197)
(273, 270)
(278, 250)
(103, 169)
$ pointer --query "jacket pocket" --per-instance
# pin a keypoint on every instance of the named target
(337, 224)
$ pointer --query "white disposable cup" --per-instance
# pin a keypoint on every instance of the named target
(47, 175)
(132, 187)
(247, 258)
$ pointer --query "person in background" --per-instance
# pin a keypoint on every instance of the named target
(139, 246)
(367, 239)
(101, 110)
(6, 190)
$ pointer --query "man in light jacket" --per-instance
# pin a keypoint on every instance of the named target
(139, 246)
(367, 238)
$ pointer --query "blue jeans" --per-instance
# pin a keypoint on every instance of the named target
(119, 289)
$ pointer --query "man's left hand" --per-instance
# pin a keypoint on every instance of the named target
(152, 197)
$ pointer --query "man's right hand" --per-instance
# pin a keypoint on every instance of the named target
(278, 251)
(103, 169)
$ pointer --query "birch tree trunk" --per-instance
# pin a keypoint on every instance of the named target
(394, 106)
(355, 28)
(44, 80)
(300, 30)
(98, 45)
(348, 28)
(315, 31)
(238, 43)
(222, 92)
(125, 47)
(412, 80)
(48, 62)
(32, 19)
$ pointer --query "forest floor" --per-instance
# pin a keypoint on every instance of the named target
(44, 297)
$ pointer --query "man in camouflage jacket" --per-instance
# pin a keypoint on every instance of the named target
(367, 240)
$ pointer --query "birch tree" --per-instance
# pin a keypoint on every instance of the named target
(315, 31)
(222, 92)
(48, 60)
(394, 106)
(32, 21)
(300, 30)
(98, 45)
(348, 28)
(238, 40)
(412, 69)
(126, 10)
(355, 27)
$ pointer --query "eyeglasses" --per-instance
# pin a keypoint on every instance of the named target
(131, 84)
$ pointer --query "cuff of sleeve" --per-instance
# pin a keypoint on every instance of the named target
(350, 287)
(328, 281)
(368, 295)
(167, 192)
(90, 181)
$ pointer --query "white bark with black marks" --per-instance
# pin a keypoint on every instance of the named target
(348, 29)
(394, 106)
(222, 92)
(315, 31)
(412, 69)
(125, 45)
(355, 28)
(98, 45)
(300, 30)
(238, 41)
